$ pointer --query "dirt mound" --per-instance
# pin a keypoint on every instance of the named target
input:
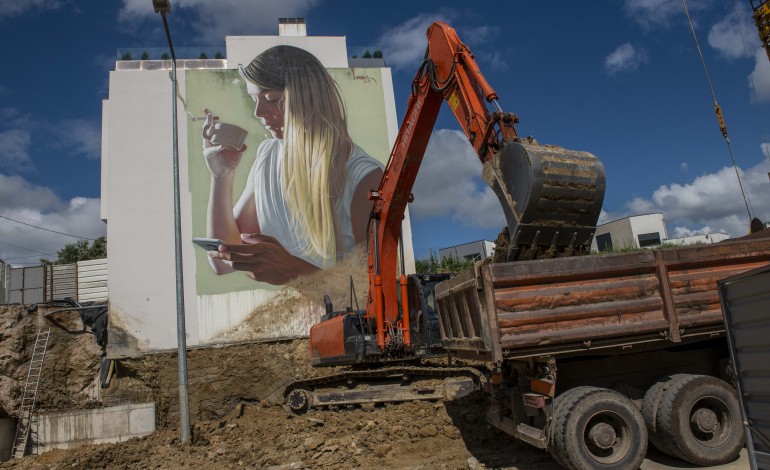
(410, 435)
(231, 389)
(218, 378)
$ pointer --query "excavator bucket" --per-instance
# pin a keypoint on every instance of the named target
(551, 197)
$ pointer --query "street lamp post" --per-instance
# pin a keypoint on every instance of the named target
(163, 7)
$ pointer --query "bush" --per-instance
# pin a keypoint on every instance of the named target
(431, 265)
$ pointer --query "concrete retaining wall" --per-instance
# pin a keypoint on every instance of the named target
(111, 424)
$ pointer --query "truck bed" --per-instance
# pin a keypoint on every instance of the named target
(587, 304)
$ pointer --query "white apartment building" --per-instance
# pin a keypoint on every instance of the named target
(137, 187)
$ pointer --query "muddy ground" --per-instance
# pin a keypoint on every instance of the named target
(410, 435)
(71, 366)
(235, 424)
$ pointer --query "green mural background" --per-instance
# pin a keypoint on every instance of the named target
(224, 93)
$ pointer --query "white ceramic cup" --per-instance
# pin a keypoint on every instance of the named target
(222, 133)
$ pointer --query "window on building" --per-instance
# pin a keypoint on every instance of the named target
(604, 242)
(649, 239)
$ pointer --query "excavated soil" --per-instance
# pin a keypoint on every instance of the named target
(414, 435)
(68, 378)
(233, 392)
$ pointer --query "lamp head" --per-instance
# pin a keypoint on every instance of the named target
(161, 6)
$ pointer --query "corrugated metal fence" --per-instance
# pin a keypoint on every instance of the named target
(84, 281)
(92, 280)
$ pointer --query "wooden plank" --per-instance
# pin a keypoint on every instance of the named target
(583, 334)
(632, 320)
(579, 312)
(558, 298)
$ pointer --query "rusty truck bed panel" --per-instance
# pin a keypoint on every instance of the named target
(530, 308)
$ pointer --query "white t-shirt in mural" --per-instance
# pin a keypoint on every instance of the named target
(273, 213)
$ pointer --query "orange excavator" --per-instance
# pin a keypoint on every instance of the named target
(551, 198)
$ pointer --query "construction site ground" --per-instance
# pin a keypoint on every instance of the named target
(235, 421)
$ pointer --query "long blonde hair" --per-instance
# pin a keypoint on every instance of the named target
(316, 142)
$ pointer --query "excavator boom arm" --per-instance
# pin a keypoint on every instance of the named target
(551, 198)
(449, 72)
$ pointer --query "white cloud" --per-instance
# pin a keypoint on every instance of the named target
(711, 201)
(15, 154)
(477, 34)
(11, 8)
(651, 14)
(765, 147)
(685, 167)
(604, 217)
(40, 206)
(403, 46)
(215, 20)
(494, 59)
(729, 34)
(625, 58)
(80, 136)
(450, 184)
(759, 79)
(681, 232)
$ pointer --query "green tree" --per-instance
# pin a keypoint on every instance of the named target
(145, 56)
(164, 56)
(377, 54)
(367, 54)
(126, 56)
(81, 250)
(219, 55)
(203, 56)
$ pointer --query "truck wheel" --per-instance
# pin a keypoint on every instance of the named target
(700, 416)
(597, 428)
(650, 408)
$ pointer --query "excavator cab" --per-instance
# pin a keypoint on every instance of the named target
(424, 322)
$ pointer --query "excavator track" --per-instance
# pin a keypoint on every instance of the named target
(383, 385)
(551, 198)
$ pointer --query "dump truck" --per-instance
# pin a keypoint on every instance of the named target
(589, 356)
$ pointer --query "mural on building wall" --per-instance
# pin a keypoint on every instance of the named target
(282, 155)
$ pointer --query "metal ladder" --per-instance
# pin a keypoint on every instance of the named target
(26, 420)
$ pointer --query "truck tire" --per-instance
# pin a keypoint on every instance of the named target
(597, 428)
(650, 408)
(700, 417)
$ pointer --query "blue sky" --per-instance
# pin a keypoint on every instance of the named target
(620, 79)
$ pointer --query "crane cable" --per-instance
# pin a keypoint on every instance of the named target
(718, 111)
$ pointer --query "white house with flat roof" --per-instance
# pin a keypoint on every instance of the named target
(472, 251)
(643, 231)
(637, 231)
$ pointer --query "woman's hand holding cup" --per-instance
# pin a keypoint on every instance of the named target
(223, 145)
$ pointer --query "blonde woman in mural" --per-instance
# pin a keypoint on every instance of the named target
(305, 204)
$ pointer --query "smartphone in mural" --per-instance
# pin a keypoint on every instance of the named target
(208, 244)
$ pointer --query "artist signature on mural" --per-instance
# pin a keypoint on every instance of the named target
(364, 78)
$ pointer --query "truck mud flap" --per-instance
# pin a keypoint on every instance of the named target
(521, 431)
